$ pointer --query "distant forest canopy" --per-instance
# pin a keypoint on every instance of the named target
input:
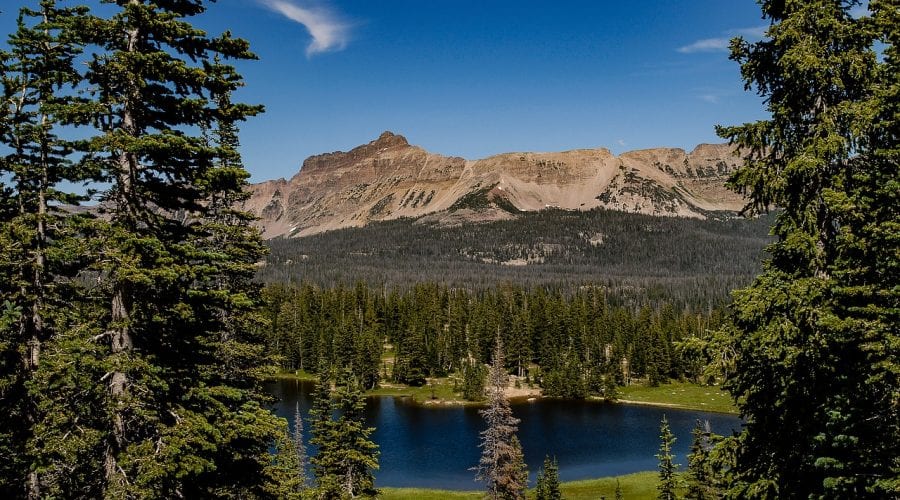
(573, 344)
(639, 258)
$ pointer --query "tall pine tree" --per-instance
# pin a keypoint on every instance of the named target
(701, 483)
(183, 412)
(547, 487)
(346, 456)
(39, 246)
(816, 375)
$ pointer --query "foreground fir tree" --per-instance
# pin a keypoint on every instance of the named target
(701, 482)
(547, 487)
(502, 464)
(817, 375)
(668, 481)
(38, 244)
(346, 455)
(167, 336)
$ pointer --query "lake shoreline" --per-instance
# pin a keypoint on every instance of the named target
(438, 393)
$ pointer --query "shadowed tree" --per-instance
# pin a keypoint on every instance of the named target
(547, 487)
(175, 336)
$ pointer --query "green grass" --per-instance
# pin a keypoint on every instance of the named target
(424, 494)
(439, 390)
(638, 486)
(681, 395)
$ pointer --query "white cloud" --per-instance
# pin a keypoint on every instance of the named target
(710, 98)
(706, 45)
(755, 32)
(722, 44)
(328, 30)
(622, 142)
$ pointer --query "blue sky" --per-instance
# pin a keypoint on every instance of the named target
(476, 78)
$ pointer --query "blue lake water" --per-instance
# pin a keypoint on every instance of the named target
(431, 447)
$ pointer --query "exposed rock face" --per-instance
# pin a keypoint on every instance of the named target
(388, 178)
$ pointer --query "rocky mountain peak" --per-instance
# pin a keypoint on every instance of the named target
(388, 178)
(388, 139)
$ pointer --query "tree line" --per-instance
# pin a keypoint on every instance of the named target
(572, 343)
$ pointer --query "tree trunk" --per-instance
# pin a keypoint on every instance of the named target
(120, 335)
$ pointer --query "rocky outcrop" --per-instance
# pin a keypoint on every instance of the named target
(389, 178)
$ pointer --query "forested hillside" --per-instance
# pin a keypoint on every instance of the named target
(639, 257)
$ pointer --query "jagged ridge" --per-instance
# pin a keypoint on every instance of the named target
(388, 178)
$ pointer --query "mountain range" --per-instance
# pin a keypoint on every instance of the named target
(389, 179)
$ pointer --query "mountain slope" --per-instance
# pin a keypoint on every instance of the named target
(389, 179)
(687, 260)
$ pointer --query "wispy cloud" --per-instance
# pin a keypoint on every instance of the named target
(328, 29)
(710, 98)
(706, 45)
(721, 44)
(755, 32)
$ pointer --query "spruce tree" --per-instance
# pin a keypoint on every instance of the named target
(668, 481)
(346, 456)
(502, 464)
(547, 487)
(701, 483)
(817, 375)
(184, 412)
(39, 246)
(473, 379)
(324, 436)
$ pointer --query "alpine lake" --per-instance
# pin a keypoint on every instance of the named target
(434, 447)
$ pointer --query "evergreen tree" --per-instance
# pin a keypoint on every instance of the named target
(547, 487)
(173, 342)
(283, 480)
(502, 464)
(473, 379)
(817, 375)
(346, 454)
(39, 247)
(323, 437)
(668, 482)
(701, 483)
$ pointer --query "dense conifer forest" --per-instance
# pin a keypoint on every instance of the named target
(691, 262)
(572, 342)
